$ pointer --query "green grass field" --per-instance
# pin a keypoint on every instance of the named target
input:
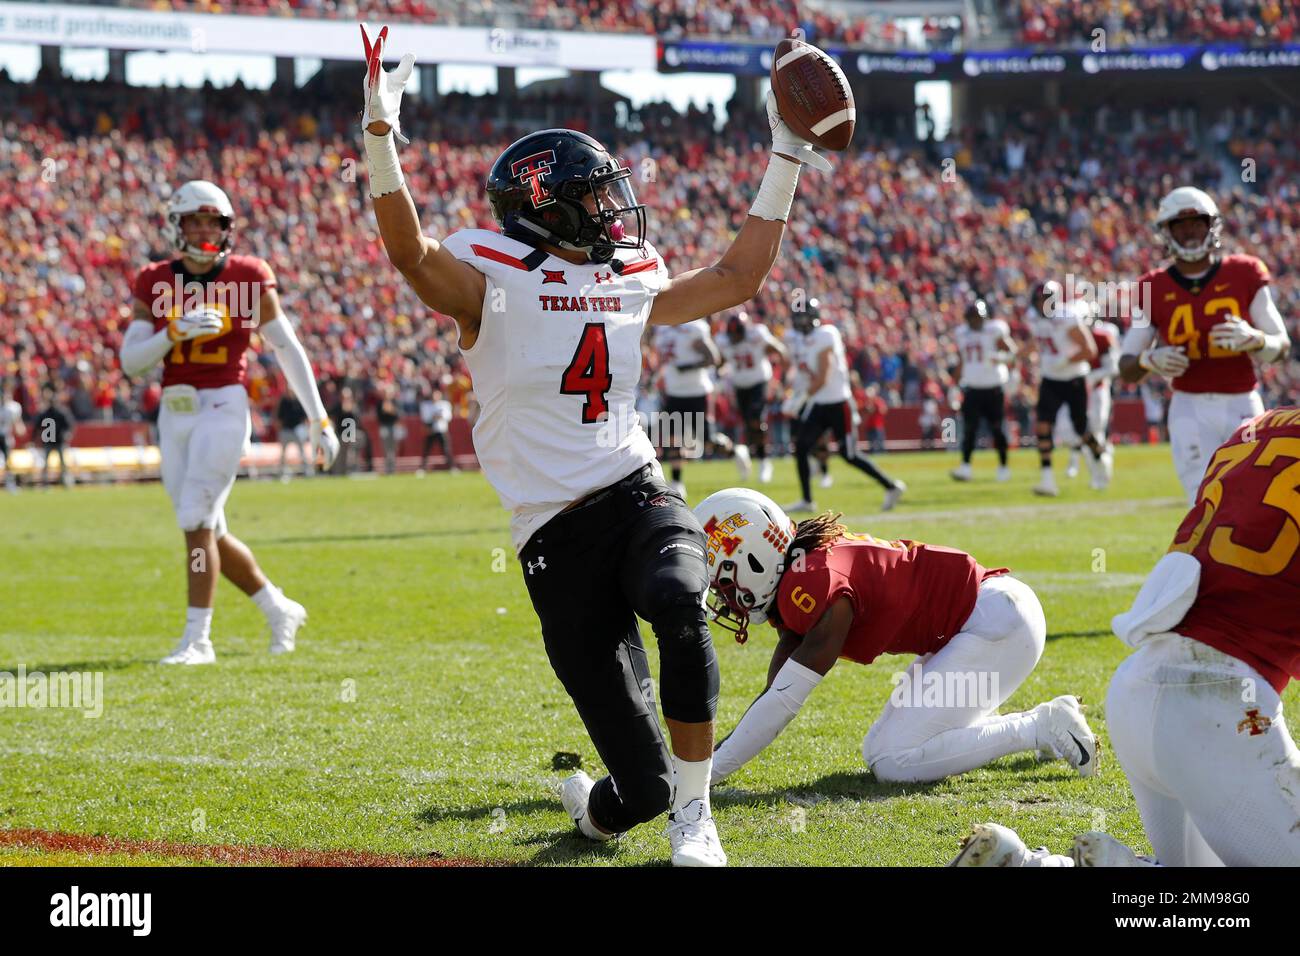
(419, 713)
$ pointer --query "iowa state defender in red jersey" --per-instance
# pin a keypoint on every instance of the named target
(196, 314)
(1205, 320)
(1195, 714)
(832, 594)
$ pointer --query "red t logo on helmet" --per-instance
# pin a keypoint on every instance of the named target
(530, 170)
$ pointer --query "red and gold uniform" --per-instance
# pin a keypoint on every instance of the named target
(1245, 532)
(234, 288)
(1182, 312)
(908, 597)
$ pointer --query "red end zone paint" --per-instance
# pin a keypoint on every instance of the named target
(231, 855)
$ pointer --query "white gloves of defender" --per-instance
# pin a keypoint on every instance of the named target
(1235, 334)
(383, 90)
(1169, 360)
(785, 141)
(195, 324)
(325, 441)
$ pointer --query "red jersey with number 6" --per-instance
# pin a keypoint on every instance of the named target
(908, 597)
(1245, 531)
(234, 288)
(1182, 311)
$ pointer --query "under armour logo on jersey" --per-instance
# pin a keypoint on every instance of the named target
(604, 277)
(553, 276)
(530, 170)
(1257, 723)
(538, 565)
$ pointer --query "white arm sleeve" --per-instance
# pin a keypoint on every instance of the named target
(1137, 338)
(765, 718)
(142, 347)
(1265, 317)
(297, 369)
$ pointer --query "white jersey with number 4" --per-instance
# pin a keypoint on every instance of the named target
(555, 369)
(682, 345)
(978, 369)
(748, 359)
(1054, 343)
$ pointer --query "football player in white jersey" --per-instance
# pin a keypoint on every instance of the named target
(985, 350)
(745, 350)
(825, 404)
(687, 356)
(550, 313)
(11, 428)
(1066, 350)
(1099, 378)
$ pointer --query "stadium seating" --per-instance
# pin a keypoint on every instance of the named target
(891, 246)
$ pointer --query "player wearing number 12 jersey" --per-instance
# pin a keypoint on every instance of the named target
(551, 312)
(1205, 320)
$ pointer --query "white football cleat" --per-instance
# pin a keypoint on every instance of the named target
(1062, 727)
(827, 479)
(991, 844)
(575, 792)
(1046, 484)
(765, 471)
(1072, 468)
(1102, 849)
(187, 652)
(892, 495)
(1101, 469)
(285, 621)
(962, 472)
(1004, 473)
(743, 462)
(800, 506)
(694, 838)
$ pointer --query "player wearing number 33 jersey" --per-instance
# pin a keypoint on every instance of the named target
(1194, 713)
(832, 594)
(551, 312)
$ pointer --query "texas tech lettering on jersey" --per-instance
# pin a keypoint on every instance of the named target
(556, 375)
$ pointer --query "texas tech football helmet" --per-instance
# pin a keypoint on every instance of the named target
(199, 195)
(539, 186)
(809, 317)
(1188, 202)
(737, 326)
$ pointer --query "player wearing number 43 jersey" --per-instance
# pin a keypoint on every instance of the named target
(551, 312)
(1194, 714)
(832, 594)
(1206, 320)
(196, 314)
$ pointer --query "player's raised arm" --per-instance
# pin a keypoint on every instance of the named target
(739, 275)
(808, 662)
(442, 281)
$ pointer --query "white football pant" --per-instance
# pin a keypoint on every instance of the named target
(1205, 747)
(1099, 406)
(995, 650)
(1199, 422)
(200, 455)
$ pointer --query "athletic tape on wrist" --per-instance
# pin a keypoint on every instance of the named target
(385, 167)
(776, 191)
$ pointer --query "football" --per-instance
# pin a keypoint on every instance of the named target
(813, 95)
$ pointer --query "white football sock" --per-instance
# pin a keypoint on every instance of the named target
(691, 782)
(198, 624)
(268, 599)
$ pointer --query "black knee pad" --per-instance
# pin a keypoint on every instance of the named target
(674, 594)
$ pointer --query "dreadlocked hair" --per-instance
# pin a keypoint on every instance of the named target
(819, 532)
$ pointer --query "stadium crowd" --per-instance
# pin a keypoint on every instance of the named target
(894, 243)
(1154, 22)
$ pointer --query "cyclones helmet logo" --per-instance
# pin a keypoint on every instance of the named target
(720, 537)
(530, 170)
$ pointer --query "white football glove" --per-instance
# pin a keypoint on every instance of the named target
(1235, 334)
(784, 140)
(194, 324)
(1169, 361)
(384, 90)
(325, 441)
(796, 405)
